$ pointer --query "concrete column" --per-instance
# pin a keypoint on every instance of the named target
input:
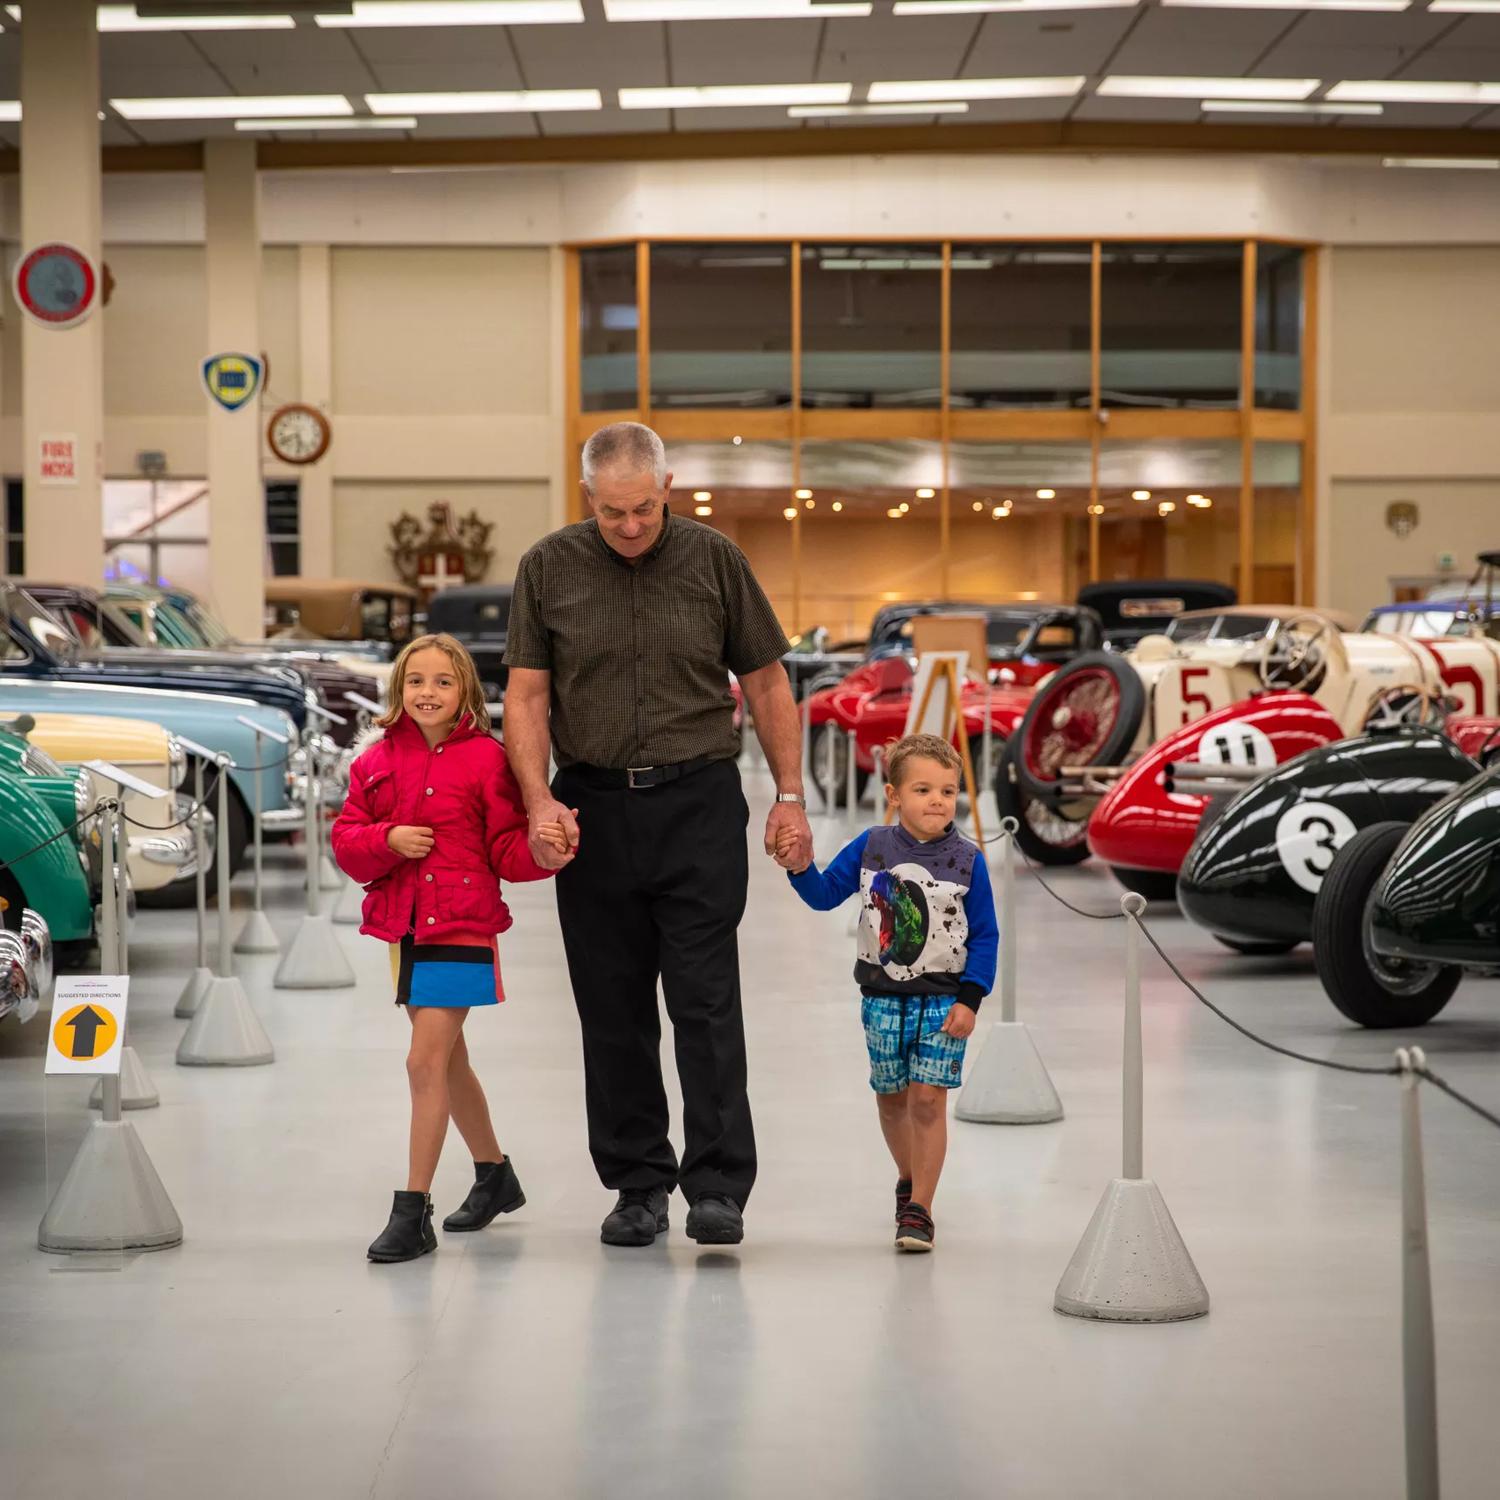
(62, 370)
(236, 496)
(315, 481)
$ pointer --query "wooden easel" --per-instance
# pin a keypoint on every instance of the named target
(946, 669)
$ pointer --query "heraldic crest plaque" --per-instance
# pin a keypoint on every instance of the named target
(445, 553)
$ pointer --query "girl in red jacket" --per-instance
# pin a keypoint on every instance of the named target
(432, 822)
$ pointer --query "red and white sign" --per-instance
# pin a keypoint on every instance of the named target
(57, 458)
(56, 284)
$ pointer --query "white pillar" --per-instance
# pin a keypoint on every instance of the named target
(236, 497)
(62, 370)
(315, 481)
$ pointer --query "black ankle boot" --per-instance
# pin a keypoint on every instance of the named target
(409, 1233)
(495, 1191)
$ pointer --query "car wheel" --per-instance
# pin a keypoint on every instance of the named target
(1085, 714)
(1267, 949)
(828, 757)
(1371, 990)
(183, 891)
(1045, 834)
(1154, 885)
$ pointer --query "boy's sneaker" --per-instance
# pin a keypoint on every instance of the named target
(903, 1196)
(914, 1228)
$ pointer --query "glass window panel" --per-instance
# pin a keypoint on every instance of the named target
(721, 326)
(1169, 465)
(1020, 326)
(1278, 488)
(1278, 327)
(285, 557)
(282, 508)
(871, 317)
(608, 320)
(1170, 325)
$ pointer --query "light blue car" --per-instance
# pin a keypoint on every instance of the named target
(213, 720)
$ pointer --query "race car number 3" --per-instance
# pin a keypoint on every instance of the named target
(1307, 838)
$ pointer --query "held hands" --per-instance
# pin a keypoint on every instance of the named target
(553, 834)
(410, 842)
(960, 1021)
(788, 837)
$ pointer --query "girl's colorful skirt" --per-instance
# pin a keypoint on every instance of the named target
(448, 974)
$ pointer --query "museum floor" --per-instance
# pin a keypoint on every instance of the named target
(266, 1357)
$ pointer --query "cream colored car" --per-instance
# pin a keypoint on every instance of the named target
(158, 851)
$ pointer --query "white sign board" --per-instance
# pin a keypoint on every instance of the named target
(936, 718)
(57, 458)
(87, 1031)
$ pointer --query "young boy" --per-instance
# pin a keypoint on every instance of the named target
(926, 958)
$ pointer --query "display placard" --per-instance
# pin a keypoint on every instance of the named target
(87, 1030)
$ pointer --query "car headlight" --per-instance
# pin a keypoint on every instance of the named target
(177, 765)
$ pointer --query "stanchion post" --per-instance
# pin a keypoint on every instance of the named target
(1008, 919)
(121, 891)
(877, 779)
(200, 859)
(257, 935)
(806, 739)
(109, 907)
(987, 744)
(851, 778)
(225, 962)
(1418, 1340)
(310, 833)
(1133, 905)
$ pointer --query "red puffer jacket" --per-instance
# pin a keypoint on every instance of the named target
(465, 791)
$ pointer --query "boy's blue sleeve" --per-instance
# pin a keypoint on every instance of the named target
(984, 936)
(824, 890)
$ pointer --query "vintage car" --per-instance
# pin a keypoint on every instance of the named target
(26, 965)
(1406, 910)
(1026, 643)
(477, 614)
(818, 660)
(339, 609)
(1106, 727)
(1436, 619)
(1137, 607)
(212, 720)
(1256, 866)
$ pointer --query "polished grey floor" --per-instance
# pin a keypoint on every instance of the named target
(265, 1357)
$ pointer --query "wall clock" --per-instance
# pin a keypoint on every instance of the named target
(298, 434)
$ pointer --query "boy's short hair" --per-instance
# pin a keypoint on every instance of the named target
(928, 746)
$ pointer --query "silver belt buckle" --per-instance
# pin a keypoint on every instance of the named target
(630, 774)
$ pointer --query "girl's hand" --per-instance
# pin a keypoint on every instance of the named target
(554, 835)
(960, 1021)
(409, 841)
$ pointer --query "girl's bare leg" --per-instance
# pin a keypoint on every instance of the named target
(434, 1032)
(468, 1107)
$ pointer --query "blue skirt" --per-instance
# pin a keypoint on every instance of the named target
(456, 975)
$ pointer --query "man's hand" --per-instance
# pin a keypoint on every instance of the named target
(544, 849)
(409, 841)
(960, 1021)
(794, 852)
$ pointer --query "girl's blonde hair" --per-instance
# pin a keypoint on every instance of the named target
(471, 700)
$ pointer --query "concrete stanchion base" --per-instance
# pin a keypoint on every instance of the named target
(1131, 1266)
(348, 910)
(1009, 1084)
(257, 935)
(330, 877)
(225, 1032)
(314, 961)
(192, 993)
(137, 1091)
(111, 1198)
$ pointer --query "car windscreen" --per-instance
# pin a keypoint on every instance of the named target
(1421, 622)
(467, 615)
(1187, 629)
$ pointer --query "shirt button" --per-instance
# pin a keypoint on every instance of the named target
(429, 791)
(440, 749)
(427, 878)
(431, 920)
(466, 880)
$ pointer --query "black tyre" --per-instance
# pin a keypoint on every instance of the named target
(1377, 992)
(1045, 834)
(1267, 949)
(1085, 714)
(182, 891)
(828, 757)
(1154, 885)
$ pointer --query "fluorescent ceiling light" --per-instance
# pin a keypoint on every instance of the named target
(728, 10)
(903, 90)
(1406, 91)
(1479, 163)
(735, 95)
(392, 122)
(1123, 87)
(989, 7)
(505, 102)
(233, 107)
(1294, 4)
(456, 13)
(822, 111)
(124, 18)
(1472, 7)
(10, 110)
(1279, 107)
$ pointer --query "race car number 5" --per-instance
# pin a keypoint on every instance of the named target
(1307, 837)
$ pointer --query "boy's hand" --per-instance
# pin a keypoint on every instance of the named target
(787, 851)
(409, 841)
(960, 1021)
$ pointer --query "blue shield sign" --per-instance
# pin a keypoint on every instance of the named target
(232, 379)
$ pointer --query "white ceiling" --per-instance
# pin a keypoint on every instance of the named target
(1147, 39)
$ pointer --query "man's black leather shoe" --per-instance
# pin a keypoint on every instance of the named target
(715, 1220)
(639, 1215)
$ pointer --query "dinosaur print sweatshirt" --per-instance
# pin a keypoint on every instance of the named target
(927, 920)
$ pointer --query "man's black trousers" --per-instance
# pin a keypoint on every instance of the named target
(657, 890)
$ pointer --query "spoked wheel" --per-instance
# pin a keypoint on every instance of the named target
(1048, 835)
(1086, 714)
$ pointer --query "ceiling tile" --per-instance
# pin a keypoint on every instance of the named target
(1216, 43)
(1453, 64)
(554, 57)
(608, 121)
(478, 127)
(301, 48)
(742, 51)
(1063, 42)
(433, 44)
(432, 78)
(1095, 108)
(688, 120)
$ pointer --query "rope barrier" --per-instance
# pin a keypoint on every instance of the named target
(106, 804)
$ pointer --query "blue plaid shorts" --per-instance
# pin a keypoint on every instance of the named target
(907, 1044)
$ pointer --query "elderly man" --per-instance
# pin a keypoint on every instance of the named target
(623, 632)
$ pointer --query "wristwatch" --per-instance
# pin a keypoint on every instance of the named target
(796, 797)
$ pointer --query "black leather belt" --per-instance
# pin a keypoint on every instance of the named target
(636, 778)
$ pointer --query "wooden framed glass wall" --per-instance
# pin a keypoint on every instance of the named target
(883, 419)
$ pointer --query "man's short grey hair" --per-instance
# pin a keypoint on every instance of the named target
(631, 446)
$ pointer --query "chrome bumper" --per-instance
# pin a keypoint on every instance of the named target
(175, 850)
